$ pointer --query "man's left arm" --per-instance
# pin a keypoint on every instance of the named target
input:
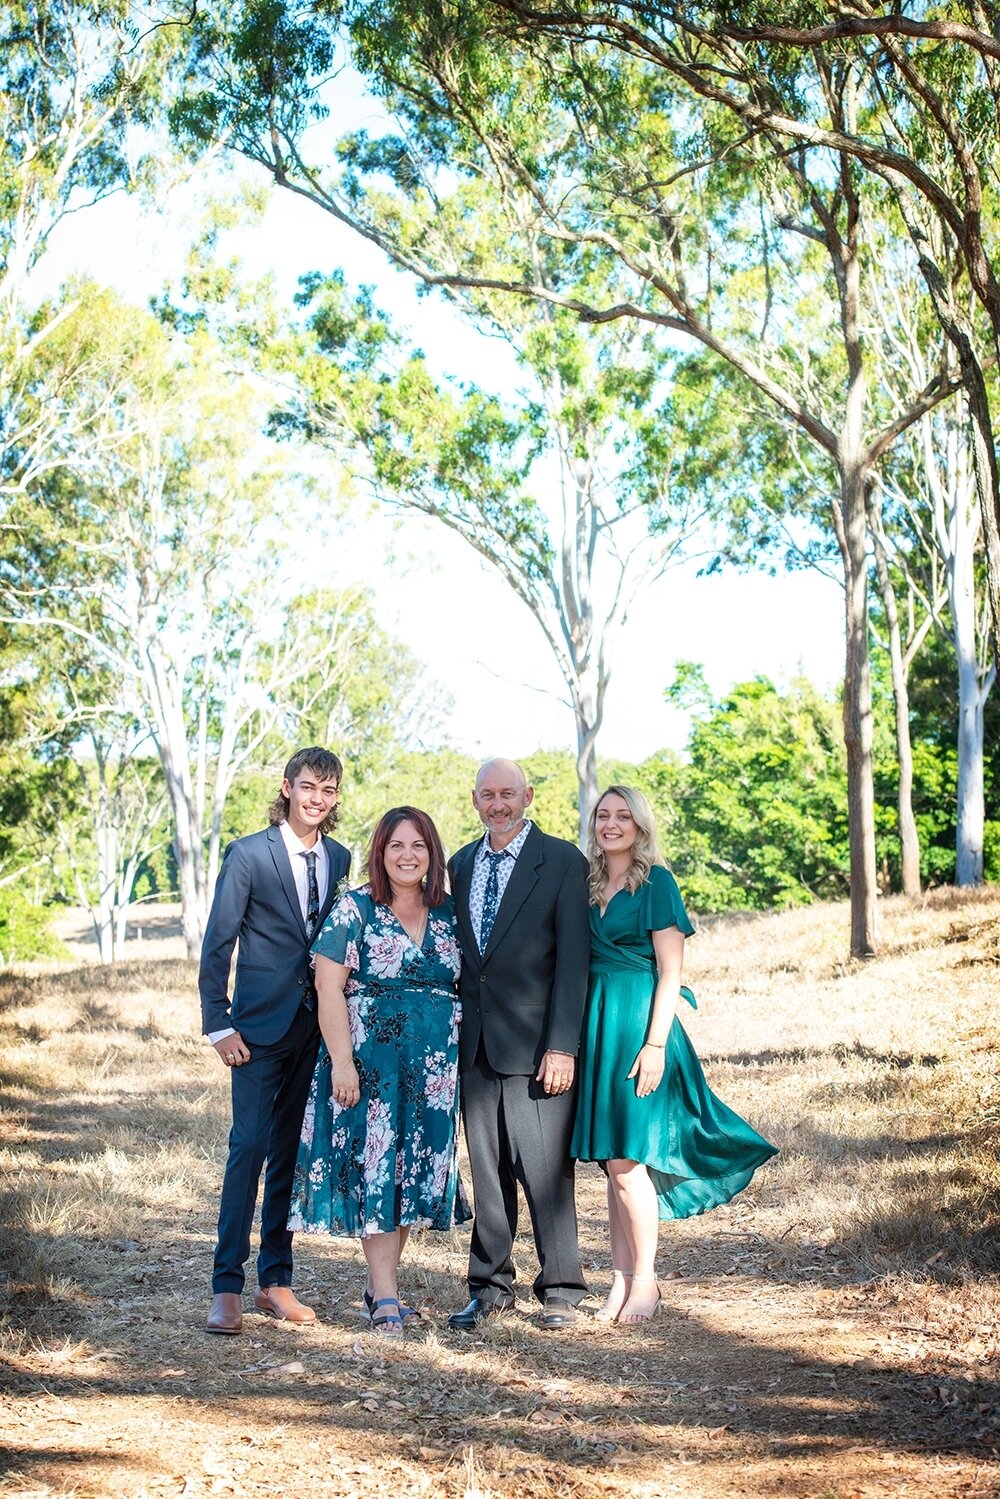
(569, 980)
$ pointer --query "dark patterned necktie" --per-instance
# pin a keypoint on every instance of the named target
(312, 902)
(312, 921)
(491, 897)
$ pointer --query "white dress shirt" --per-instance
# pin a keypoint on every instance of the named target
(297, 851)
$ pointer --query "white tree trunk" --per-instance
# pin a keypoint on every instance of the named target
(587, 724)
(858, 729)
(957, 521)
(970, 810)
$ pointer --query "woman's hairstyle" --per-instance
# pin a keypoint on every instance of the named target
(378, 879)
(645, 850)
(325, 766)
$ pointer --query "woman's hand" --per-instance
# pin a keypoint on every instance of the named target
(346, 1088)
(647, 1069)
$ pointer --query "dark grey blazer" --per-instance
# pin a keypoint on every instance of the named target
(257, 903)
(526, 993)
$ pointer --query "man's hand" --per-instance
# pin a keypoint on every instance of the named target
(233, 1050)
(556, 1072)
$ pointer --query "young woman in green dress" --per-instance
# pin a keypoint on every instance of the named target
(670, 1148)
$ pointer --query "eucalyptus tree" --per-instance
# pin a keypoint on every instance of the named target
(163, 550)
(936, 80)
(932, 86)
(79, 87)
(114, 824)
(618, 154)
(580, 491)
(930, 495)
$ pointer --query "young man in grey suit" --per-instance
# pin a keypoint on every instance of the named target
(274, 891)
(521, 902)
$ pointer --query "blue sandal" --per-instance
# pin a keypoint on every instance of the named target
(388, 1324)
(409, 1314)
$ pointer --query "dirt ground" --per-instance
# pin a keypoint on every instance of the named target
(809, 1346)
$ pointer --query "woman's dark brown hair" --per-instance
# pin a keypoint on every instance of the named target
(378, 879)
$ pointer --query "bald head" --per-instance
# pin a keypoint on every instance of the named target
(501, 797)
(508, 771)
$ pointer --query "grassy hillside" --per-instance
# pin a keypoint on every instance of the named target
(833, 1333)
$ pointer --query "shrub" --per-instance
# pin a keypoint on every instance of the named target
(25, 929)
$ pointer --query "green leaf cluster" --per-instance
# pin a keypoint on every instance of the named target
(762, 819)
(25, 929)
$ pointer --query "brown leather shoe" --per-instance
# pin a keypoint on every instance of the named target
(226, 1315)
(281, 1302)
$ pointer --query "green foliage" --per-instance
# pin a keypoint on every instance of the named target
(30, 770)
(441, 782)
(25, 929)
(762, 819)
(553, 775)
(438, 781)
(246, 806)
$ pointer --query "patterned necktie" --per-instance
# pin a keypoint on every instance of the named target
(312, 903)
(312, 920)
(491, 897)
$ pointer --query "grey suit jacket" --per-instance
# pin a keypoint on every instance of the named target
(256, 902)
(525, 994)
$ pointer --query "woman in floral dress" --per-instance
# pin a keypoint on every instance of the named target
(379, 1147)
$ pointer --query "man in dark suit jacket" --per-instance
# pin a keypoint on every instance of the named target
(521, 901)
(274, 891)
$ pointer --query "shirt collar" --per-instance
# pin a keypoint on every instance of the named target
(294, 843)
(513, 848)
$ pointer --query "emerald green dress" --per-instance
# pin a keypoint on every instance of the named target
(697, 1151)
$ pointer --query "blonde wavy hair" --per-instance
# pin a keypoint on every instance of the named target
(645, 849)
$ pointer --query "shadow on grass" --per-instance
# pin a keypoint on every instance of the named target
(633, 1393)
(794, 1057)
(159, 975)
(644, 1390)
(640, 1393)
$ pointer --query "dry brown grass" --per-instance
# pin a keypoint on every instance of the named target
(834, 1333)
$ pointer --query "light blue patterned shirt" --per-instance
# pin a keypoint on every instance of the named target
(480, 872)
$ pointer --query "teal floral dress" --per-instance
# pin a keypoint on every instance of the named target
(698, 1152)
(392, 1159)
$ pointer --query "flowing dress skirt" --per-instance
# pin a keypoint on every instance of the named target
(698, 1152)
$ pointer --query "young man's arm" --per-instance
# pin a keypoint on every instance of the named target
(232, 893)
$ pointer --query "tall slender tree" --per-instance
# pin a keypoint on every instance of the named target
(162, 548)
(616, 150)
(580, 494)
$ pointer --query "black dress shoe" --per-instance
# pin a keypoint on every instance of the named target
(469, 1318)
(557, 1312)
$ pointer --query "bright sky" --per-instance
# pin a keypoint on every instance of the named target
(451, 609)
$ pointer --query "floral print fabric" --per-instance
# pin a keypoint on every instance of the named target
(392, 1159)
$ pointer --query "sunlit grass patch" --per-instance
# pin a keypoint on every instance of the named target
(808, 1329)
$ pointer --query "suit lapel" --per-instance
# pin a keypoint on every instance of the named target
(282, 863)
(465, 862)
(523, 880)
(332, 880)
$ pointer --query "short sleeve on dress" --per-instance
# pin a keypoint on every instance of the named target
(341, 932)
(663, 906)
